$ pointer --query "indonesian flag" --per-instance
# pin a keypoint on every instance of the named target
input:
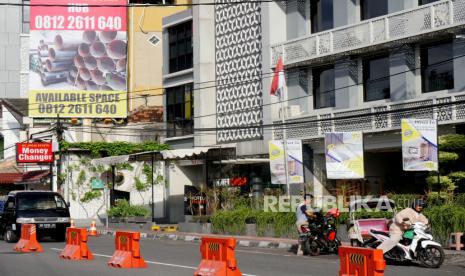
(277, 84)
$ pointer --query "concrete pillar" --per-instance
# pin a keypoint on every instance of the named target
(273, 16)
(459, 64)
(347, 90)
(204, 72)
(402, 71)
(345, 12)
(319, 178)
(87, 130)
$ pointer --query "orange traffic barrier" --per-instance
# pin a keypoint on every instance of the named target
(93, 229)
(28, 241)
(127, 254)
(76, 245)
(361, 261)
(218, 258)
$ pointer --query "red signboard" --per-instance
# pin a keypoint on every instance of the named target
(34, 153)
(79, 15)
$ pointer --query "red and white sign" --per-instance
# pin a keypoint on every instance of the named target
(78, 15)
(34, 153)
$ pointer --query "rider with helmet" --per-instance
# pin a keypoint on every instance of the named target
(304, 212)
(402, 222)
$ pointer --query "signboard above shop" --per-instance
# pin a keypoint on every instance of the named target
(34, 153)
(78, 54)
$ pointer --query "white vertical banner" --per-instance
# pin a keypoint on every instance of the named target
(344, 155)
(295, 168)
(419, 145)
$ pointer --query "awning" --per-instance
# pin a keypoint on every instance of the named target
(34, 177)
(30, 177)
(147, 155)
(243, 161)
(183, 153)
(10, 178)
(111, 160)
(177, 154)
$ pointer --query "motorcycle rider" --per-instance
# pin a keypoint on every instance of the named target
(402, 222)
(304, 212)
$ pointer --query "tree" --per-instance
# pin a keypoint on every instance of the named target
(451, 165)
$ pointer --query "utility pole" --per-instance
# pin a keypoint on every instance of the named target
(59, 132)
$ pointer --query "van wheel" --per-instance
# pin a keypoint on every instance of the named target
(10, 236)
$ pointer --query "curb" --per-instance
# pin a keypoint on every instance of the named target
(197, 239)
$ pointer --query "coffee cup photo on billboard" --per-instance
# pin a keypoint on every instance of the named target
(78, 60)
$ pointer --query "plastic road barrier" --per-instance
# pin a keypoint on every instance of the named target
(28, 241)
(127, 254)
(218, 258)
(76, 245)
(361, 261)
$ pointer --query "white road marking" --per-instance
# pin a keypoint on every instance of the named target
(151, 262)
(264, 253)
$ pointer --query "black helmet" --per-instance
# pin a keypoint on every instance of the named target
(418, 202)
(308, 196)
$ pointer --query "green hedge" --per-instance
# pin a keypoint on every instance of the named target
(234, 222)
(445, 219)
(124, 209)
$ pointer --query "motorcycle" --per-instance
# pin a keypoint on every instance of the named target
(321, 234)
(417, 244)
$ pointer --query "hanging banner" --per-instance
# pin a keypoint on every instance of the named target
(78, 52)
(419, 145)
(344, 155)
(295, 169)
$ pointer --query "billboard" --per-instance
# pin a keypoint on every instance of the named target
(34, 153)
(419, 145)
(295, 169)
(344, 155)
(78, 57)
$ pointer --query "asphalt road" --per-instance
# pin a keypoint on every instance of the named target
(178, 258)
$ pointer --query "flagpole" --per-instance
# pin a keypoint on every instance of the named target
(283, 124)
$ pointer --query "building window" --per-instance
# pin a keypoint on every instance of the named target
(179, 110)
(321, 12)
(437, 67)
(424, 2)
(180, 47)
(376, 78)
(25, 16)
(323, 87)
(373, 8)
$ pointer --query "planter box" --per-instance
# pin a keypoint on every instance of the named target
(251, 230)
(195, 227)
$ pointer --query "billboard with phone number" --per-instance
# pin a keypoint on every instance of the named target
(78, 57)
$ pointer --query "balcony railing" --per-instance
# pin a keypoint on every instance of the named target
(445, 109)
(409, 23)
